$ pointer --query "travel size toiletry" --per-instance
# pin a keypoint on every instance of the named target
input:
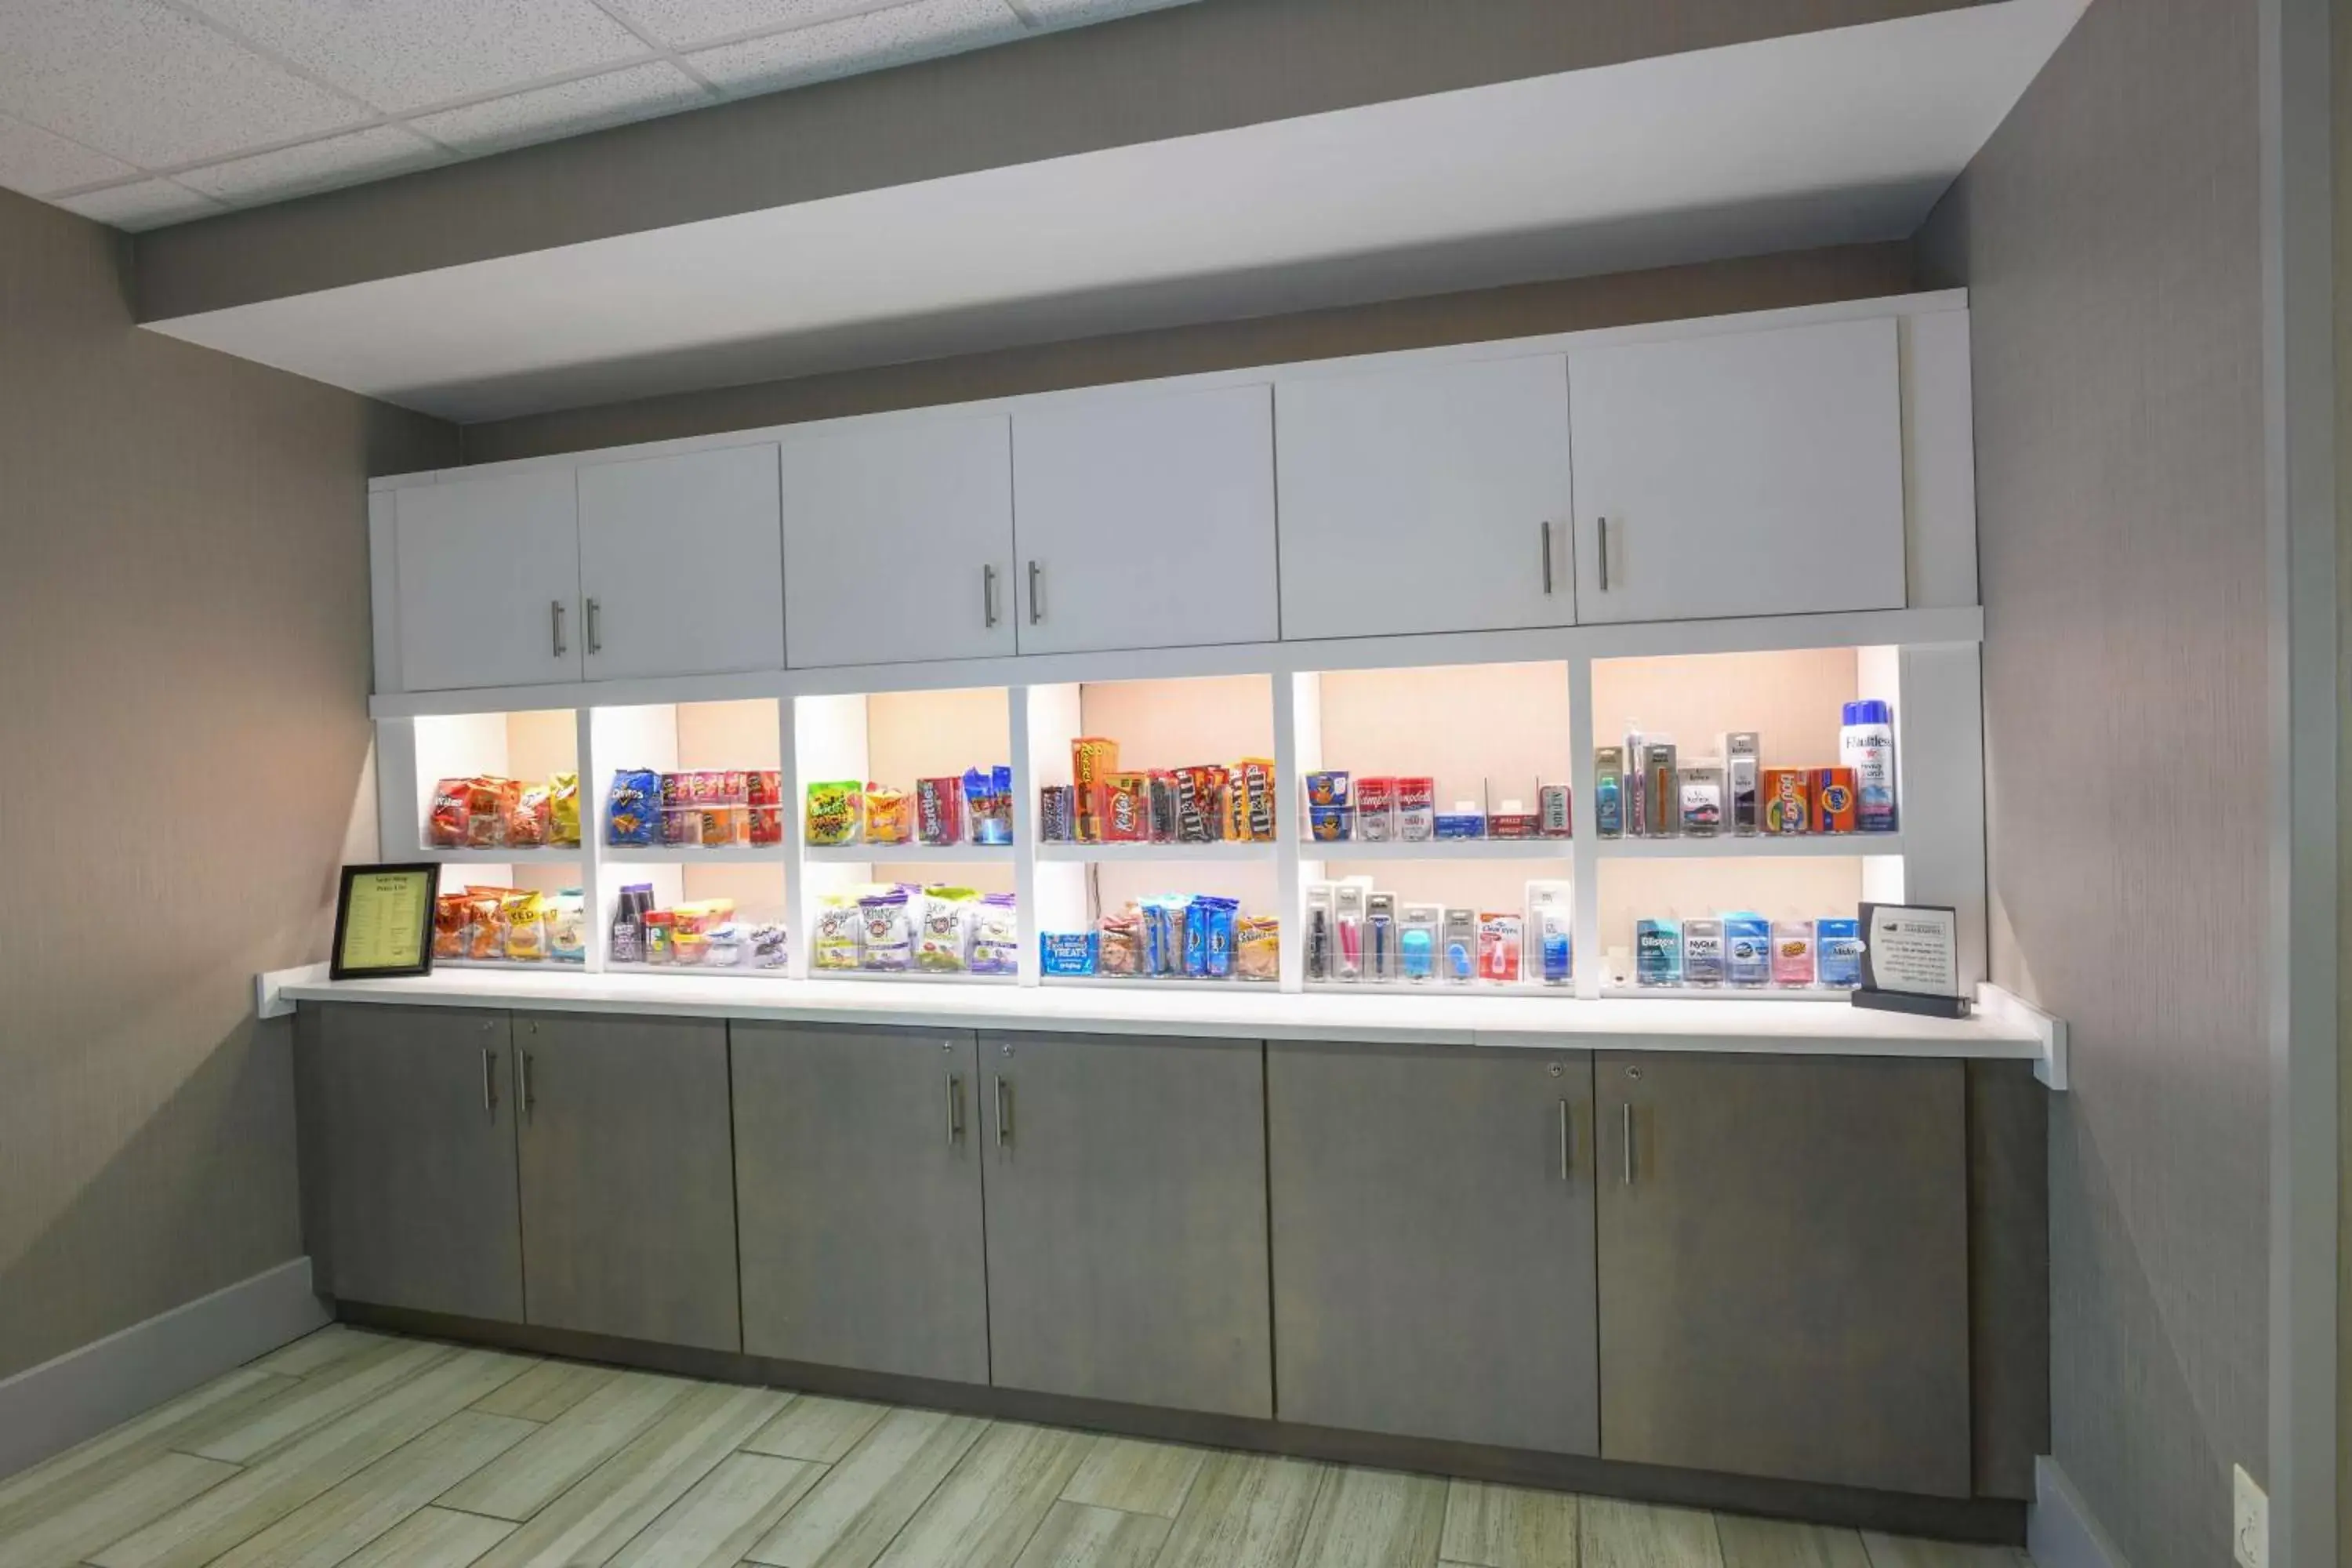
(1551, 931)
(1318, 931)
(1866, 745)
(1837, 953)
(1661, 790)
(1748, 950)
(1703, 952)
(1553, 817)
(1458, 954)
(1501, 936)
(1348, 932)
(1792, 955)
(1417, 933)
(1635, 759)
(1380, 936)
(1742, 783)
(1609, 792)
(1658, 952)
(1700, 799)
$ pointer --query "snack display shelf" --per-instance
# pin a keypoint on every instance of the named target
(1151, 983)
(698, 855)
(568, 967)
(885, 854)
(572, 855)
(1438, 850)
(1829, 995)
(1249, 850)
(913, 977)
(699, 971)
(1524, 988)
(1768, 845)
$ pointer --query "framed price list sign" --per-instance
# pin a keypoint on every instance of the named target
(384, 922)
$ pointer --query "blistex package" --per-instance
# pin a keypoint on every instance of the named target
(1658, 952)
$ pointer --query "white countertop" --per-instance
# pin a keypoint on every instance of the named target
(2001, 1029)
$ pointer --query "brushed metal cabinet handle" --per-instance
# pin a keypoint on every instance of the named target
(1037, 592)
(490, 1082)
(955, 1109)
(1543, 533)
(595, 627)
(555, 614)
(1564, 1166)
(1604, 555)
(987, 596)
(1626, 1126)
(1004, 1113)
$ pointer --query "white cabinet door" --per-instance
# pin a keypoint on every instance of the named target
(1146, 521)
(682, 564)
(1432, 500)
(899, 542)
(489, 581)
(1752, 474)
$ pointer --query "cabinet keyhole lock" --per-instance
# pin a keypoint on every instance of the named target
(1554, 1069)
(1633, 1072)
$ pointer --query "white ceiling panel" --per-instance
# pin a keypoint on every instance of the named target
(371, 154)
(150, 86)
(1069, 13)
(591, 103)
(682, 24)
(1842, 135)
(147, 204)
(36, 162)
(897, 36)
(401, 54)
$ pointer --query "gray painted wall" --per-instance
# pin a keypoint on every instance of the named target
(2109, 236)
(1667, 293)
(1180, 72)
(184, 622)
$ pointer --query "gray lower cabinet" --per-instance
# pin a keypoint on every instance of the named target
(1433, 1242)
(1127, 1231)
(410, 1131)
(628, 1181)
(1784, 1271)
(858, 1174)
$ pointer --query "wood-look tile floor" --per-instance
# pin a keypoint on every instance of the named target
(372, 1451)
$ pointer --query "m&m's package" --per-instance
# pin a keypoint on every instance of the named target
(1251, 809)
(632, 808)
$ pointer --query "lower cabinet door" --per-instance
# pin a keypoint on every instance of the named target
(413, 1136)
(1433, 1242)
(1125, 1188)
(628, 1185)
(857, 1174)
(1784, 1271)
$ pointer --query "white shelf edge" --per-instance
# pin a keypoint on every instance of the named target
(558, 857)
(2006, 1006)
(1440, 849)
(1248, 851)
(1763, 847)
(717, 855)
(883, 854)
(1824, 995)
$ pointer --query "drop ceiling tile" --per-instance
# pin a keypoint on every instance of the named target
(592, 103)
(375, 153)
(143, 203)
(150, 86)
(402, 55)
(682, 24)
(920, 31)
(36, 162)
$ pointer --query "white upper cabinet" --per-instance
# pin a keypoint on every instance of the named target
(1747, 474)
(1426, 500)
(682, 564)
(1146, 521)
(899, 542)
(489, 581)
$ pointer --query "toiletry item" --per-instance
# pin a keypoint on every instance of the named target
(1416, 809)
(1417, 933)
(1609, 792)
(1742, 781)
(1832, 792)
(1380, 935)
(1701, 799)
(1513, 821)
(1788, 801)
(1636, 764)
(1551, 931)
(1500, 934)
(1837, 953)
(1866, 745)
(1348, 932)
(1318, 931)
(1376, 799)
(1553, 817)
(1458, 960)
(1658, 952)
(1703, 952)
(1746, 949)
(1465, 821)
(1792, 955)
(1661, 793)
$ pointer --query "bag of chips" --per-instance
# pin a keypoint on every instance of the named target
(886, 934)
(942, 932)
(835, 943)
(450, 914)
(488, 801)
(994, 936)
(532, 820)
(525, 915)
(445, 827)
(567, 927)
(632, 807)
(563, 811)
(1258, 948)
(486, 928)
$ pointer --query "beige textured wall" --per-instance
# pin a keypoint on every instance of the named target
(183, 625)
(2109, 236)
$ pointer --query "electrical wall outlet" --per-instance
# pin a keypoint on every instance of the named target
(2249, 1530)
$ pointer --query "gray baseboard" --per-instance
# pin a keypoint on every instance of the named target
(1992, 1521)
(48, 1408)
(2059, 1530)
